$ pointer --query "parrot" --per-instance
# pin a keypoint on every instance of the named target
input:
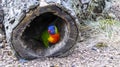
(54, 35)
(51, 35)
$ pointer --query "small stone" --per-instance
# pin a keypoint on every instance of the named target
(112, 15)
(118, 54)
(93, 48)
(9, 53)
(73, 65)
(23, 61)
(54, 66)
(50, 58)
(81, 39)
(1, 45)
(111, 57)
(1, 38)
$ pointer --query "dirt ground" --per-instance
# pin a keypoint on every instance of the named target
(95, 50)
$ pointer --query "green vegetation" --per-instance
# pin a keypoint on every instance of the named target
(108, 26)
(100, 45)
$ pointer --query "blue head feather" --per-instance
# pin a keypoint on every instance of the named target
(51, 29)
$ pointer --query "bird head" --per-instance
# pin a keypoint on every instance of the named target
(51, 29)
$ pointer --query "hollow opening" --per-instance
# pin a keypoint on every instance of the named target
(31, 36)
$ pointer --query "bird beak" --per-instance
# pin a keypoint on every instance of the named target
(49, 31)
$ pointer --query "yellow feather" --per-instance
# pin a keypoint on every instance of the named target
(50, 39)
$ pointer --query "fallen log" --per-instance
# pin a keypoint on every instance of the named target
(25, 19)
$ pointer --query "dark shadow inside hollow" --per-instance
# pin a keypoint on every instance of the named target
(37, 26)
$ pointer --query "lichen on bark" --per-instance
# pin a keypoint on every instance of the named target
(90, 9)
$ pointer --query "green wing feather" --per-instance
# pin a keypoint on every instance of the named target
(44, 37)
(56, 30)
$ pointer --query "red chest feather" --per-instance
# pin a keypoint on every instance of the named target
(55, 37)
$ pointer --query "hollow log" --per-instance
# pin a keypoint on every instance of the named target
(24, 19)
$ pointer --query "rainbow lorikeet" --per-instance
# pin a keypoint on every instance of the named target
(51, 35)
